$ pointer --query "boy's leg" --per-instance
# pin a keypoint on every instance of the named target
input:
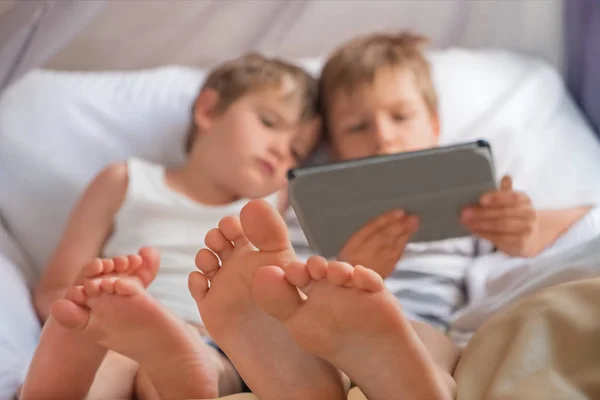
(442, 350)
(65, 363)
(229, 380)
(119, 314)
(115, 378)
(348, 318)
(266, 356)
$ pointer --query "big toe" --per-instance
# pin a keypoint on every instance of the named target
(70, 315)
(264, 226)
(274, 294)
(151, 262)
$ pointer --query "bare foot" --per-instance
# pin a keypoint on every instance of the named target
(349, 319)
(65, 363)
(266, 356)
(119, 314)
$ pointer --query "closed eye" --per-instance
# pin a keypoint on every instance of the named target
(358, 127)
(400, 117)
(267, 122)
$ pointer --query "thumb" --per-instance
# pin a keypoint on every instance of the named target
(506, 184)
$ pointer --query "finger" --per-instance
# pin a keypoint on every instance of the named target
(378, 224)
(501, 226)
(497, 199)
(393, 248)
(480, 213)
(404, 227)
(506, 184)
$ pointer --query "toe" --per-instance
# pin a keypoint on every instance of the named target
(121, 264)
(127, 287)
(91, 288)
(264, 226)
(76, 295)
(317, 267)
(198, 286)
(150, 263)
(339, 273)
(107, 286)
(70, 315)
(134, 261)
(231, 228)
(217, 243)
(92, 269)
(297, 274)
(108, 266)
(274, 294)
(367, 279)
(207, 262)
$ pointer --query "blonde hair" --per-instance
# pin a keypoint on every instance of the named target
(356, 63)
(251, 73)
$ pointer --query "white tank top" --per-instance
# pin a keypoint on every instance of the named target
(153, 214)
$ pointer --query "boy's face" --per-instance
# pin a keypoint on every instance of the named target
(256, 141)
(389, 116)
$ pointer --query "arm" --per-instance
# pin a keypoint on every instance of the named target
(551, 224)
(89, 225)
(507, 219)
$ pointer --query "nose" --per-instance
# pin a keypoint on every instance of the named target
(385, 136)
(280, 148)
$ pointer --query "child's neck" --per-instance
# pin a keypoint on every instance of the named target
(196, 185)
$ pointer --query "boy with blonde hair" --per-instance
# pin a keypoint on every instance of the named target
(253, 119)
(378, 97)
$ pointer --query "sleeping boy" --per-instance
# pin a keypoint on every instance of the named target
(253, 119)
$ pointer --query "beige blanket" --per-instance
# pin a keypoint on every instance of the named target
(546, 347)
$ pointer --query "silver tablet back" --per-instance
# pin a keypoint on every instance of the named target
(334, 201)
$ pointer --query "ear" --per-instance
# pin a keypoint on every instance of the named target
(205, 109)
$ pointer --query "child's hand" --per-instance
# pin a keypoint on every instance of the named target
(506, 218)
(380, 244)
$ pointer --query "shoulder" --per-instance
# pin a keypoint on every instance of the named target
(109, 186)
(115, 176)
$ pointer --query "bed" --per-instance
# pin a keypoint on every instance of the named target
(511, 69)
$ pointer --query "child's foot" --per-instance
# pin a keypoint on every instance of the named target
(142, 266)
(65, 363)
(349, 319)
(119, 314)
(267, 358)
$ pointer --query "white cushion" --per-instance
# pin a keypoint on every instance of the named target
(19, 327)
(521, 106)
(57, 130)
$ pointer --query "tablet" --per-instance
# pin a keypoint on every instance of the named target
(334, 201)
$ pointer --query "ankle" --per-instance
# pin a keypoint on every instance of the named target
(185, 377)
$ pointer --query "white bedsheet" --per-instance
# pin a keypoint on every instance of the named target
(497, 280)
(19, 326)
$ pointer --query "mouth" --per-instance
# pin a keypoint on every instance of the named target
(266, 167)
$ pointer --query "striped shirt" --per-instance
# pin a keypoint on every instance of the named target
(429, 280)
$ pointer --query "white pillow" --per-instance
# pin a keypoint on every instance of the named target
(57, 130)
(521, 106)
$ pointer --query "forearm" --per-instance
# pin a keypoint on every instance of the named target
(551, 224)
